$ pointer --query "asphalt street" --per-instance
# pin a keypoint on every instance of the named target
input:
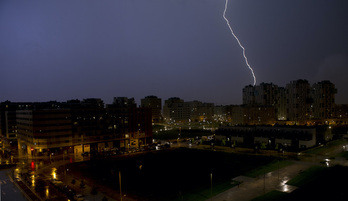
(9, 191)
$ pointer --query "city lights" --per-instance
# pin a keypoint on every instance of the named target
(173, 100)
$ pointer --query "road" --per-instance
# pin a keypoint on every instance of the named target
(9, 191)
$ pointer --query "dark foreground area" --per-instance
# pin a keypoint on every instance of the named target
(327, 184)
(168, 174)
(316, 183)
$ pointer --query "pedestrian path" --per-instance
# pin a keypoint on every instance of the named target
(251, 188)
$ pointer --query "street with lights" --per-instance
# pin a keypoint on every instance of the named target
(63, 177)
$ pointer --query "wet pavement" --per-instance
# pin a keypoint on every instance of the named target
(51, 170)
(9, 190)
(253, 187)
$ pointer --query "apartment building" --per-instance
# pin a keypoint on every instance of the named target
(323, 94)
(298, 102)
(177, 110)
(155, 104)
(43, 130)
(79, 126)
(132, 125)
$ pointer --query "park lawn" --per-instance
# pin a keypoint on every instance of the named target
(274, 165)
(172, 174)
(343, 154)
(271, 196)
(306, 176)
(204, 194)
(323, 149)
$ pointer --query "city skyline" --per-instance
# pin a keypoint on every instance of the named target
(248, 88)
(62, 50)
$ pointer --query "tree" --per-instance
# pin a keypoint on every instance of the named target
(82, 184)
(234, 144)
(94, 191)
(263, 145)
(223, 142)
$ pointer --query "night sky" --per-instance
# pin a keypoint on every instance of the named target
(61, 50)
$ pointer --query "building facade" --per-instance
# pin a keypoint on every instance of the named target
(43, 130)
(281, 104)
(323, 95)
(132, 125)
(253, 115)
(81, 126)
(8, 120)
(249, 95)
(156, 107)
(266, 94)
(200, 112)
(299, 101)
(177, 110)
(341, 111)
(294, 138)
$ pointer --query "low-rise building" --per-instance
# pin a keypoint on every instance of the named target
(292, 137)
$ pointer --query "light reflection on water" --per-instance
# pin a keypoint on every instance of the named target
(283, 187)
(54, 173)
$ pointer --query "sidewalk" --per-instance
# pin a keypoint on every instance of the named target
(254, 187)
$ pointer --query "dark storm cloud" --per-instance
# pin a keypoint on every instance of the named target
(58, 50)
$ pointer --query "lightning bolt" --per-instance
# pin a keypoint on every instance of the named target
(234, 35)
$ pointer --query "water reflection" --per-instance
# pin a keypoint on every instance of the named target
(33, 180)
(283, 187)
(47, 192)
(54, 173)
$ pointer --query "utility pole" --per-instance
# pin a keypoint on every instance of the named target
(264, 181)
(211, 186)
(278, 169)
(119, 178)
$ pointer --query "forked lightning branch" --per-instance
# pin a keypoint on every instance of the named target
(234, 35)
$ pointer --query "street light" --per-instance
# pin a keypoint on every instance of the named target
(211, 186)
(119, 178)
